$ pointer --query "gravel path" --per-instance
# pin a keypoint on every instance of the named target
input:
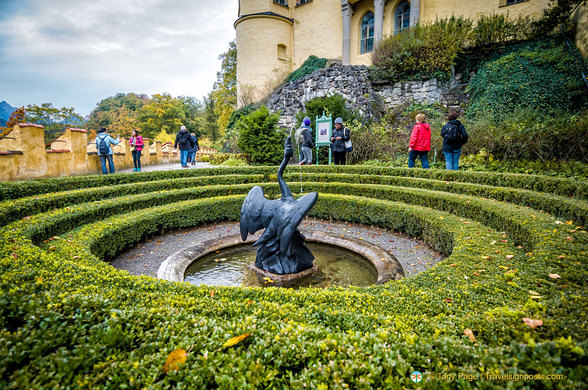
(415, 256)
(167, 167)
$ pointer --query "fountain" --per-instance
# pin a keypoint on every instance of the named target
(282, 258)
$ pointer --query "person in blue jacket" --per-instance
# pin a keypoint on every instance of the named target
(193, 150)
(103, 146)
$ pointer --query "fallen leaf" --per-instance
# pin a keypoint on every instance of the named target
(532, 323)
(477, 274)
(236, 340)
(448, 300)
(554, 276)
(561, 257)
(27, 218)
(509, 256)
(470, 334)
(174, 360)
(212, 293)
(453, 265)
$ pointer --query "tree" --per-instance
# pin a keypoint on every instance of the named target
(53, 119)
(259, 137)
(163, 112)
(225, 88)
(17, 116)
(210, 124)
(120, 110)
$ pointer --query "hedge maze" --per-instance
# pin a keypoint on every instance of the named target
(516, 246)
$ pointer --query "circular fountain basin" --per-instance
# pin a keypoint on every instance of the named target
(340, 261)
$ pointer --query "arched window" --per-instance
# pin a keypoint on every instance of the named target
(367, 33)
(402, 17)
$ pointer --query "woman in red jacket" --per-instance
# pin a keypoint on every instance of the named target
(420, 142)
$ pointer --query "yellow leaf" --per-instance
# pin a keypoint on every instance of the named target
(236, 340)
(174, 360)
(532, 323)
(470, 334)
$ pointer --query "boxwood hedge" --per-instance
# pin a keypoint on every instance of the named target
(68, 319)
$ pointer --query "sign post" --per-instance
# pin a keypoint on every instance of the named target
(324, 128)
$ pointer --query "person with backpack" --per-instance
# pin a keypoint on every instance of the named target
(136, 142)
(306, 142)
(103, 142)
(185, 142)
(193, 150)
(454, 137)
(420, 142)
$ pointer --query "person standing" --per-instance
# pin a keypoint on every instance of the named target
(136, 143)
(103, 142)
(184, 141)
(307, 142)
(195, 147)
(338, 138)
(420, 142)
(454, 137)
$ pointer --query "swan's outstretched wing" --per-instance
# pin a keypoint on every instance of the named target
(251, 212)
(295, 215)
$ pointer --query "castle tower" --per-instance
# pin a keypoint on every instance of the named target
(264, 46)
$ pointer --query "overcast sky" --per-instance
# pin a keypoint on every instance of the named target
(74, 53)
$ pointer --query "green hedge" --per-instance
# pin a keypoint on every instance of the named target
(375, 336)
(67, 319)
(14, 209)
(555, 185)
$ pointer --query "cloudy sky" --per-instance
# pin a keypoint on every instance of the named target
(74, 53)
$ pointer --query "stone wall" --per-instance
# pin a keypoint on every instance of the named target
(23, 154)
(363, 96)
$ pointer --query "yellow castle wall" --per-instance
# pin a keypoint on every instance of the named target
(318, 27)
(317, 31)
(23, 154)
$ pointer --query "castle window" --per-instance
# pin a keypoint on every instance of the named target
(402, 17)
(367, 33)
(281, 2)
(282, 52)
(300, 2)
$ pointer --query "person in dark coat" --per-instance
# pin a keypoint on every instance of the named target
(184, 141)
(338, 138)
(193, 150)
(454, 137)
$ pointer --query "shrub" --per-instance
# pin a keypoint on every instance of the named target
(259, 137)
(423, 51)
(542, 75)
(311, 64)
(220, 158)
(205, 158)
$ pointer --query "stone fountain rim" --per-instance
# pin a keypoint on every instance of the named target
(387, 266)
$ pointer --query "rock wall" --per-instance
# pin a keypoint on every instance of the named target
(369, 99)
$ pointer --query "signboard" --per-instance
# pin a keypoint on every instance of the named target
(323, 130)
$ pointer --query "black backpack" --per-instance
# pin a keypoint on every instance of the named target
(184, 139)
(453, 134)
(103, 146)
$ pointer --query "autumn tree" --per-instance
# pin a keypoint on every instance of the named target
(210, 127)
(163, 112)
(117, 113)
(17, 116)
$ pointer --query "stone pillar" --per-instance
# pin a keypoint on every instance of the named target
(347, 11)
(415, 12)
(378, 21)
(79, 150)
(33, 162)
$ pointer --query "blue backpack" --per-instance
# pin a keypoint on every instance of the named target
(103, 146)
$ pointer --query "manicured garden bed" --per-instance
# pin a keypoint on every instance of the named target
(516, 245)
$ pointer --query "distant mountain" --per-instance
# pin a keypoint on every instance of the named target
(5, 111)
